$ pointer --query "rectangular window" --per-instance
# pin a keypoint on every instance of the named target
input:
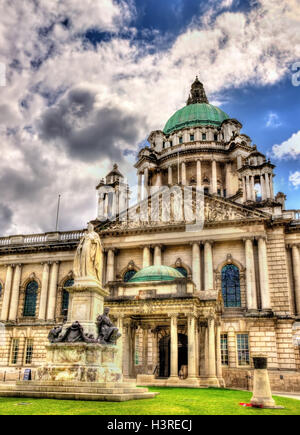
(216, 137)
(171, 143)
(29, 351)
(164, 144)
(243, 349)
(180, 140)
(224, 349)
(203, 136)
(192, 138)
(14, 351)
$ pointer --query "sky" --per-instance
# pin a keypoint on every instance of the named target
(86, 82)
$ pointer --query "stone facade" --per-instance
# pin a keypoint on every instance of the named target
(182, 330)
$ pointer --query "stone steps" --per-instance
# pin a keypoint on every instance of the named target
(111, 392)
(77, 396)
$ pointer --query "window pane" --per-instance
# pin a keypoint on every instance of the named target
(182, 270)
(243, 349)
(30, 299)
(224, 349)
(1, 289)
(29, 351)
(231, 287)
(128, 275)
(14, 351)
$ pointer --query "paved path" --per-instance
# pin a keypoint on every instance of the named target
(288, 395)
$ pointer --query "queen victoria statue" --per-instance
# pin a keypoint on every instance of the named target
(88, 262)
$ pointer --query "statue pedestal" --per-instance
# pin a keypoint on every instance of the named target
(85, 304)
(81, 362)
(262, 395)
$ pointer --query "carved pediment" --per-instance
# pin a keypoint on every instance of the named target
(153, 213)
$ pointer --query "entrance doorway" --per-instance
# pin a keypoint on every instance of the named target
(165, 354)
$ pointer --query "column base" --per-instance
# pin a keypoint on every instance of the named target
(210, 382)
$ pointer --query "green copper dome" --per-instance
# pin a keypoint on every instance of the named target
(194, 115)
(156, 273)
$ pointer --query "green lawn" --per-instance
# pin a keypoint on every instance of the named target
(180, 401)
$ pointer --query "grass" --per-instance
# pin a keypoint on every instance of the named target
(171, 401)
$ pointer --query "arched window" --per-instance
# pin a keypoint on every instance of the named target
(30, 299)
(128, 275)
(183, 271)
(65, 296)
(231, 286)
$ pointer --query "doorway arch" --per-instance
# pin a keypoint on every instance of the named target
(165, 354)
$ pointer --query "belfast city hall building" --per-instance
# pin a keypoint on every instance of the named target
(194, 301)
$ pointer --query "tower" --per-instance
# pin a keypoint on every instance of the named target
(113, 195)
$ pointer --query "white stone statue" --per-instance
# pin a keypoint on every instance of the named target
(88, 262)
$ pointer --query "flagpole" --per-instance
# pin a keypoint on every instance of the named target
(57, 215)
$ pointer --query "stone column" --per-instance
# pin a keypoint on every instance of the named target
(248, 189)
(271, 186)
(146, 256)
(228, 179)
(239, 162)
(120, 326)
(126, 348)
(157, 255)
(110, 265)
(52, 291)
(244, 189)
(14, 303)
(263, 188)
(253, 197)
(174, 346)
(44, 291)
(170, 175)
(218, 351)
(199, 173)
(146, 182)
(208, 268)
(183, 173)
(250, 275)
(7, 292)
(214, 183)
(140, 175)
(296, 272)
(158, 178)
(211, 348)
(191, 346)
(268, 191)
(264, 274)
(145, 329)
(196, 265)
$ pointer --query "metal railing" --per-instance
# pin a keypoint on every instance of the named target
(32, 239)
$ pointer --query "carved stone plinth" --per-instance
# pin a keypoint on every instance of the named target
(81, 362)
(86, 302)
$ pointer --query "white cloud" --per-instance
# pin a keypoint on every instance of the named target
(288, 149)
(294, 179)
(230, 51)
(273, 120)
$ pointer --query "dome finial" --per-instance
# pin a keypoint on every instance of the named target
(197, 94)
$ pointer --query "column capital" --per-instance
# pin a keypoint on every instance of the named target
(210, 242)
(173, 315)
(9, 265)
(192, 316)
(250, 238)
(293, 245)
(262, 237)
(196, 242)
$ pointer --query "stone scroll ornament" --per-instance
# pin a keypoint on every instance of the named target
(88, 262)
